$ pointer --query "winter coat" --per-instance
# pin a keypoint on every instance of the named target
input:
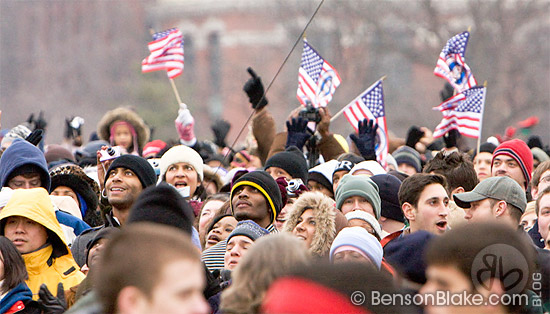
(127, 115)
(52, 263)
(328, 146)
(19, 300)
(324, 215)
(22, 153)
(263, 129)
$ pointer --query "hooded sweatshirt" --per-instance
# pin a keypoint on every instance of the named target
(52, 263)
(22, 153)
(324, 215)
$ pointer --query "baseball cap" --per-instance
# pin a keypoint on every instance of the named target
(499, 188)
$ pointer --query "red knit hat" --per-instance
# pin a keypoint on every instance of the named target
(521, 153)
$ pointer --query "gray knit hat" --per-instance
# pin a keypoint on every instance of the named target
(248, 228)
(358, 186)
(409, 156)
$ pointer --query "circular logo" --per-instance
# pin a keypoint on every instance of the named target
(502, 262)
(357, 298)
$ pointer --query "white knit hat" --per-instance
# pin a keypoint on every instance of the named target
(369, 165)
(370, 219)
(181, 153)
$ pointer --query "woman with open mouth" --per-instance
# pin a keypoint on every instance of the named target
(182, 167)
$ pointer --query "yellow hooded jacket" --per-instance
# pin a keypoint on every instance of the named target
(53, 263)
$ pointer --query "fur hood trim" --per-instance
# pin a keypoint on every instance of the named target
(324, 213)
(128, 115)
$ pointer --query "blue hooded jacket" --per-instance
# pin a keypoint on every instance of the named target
(20, 293)
(20, 153)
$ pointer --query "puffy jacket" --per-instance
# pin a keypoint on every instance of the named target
(52, 263)
(22, 153)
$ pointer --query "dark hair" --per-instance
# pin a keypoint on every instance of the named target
(121, 265)
(412, 187)
(457, 168)
(541, 168)
(514, 212)
(454, 249)
(15, 271)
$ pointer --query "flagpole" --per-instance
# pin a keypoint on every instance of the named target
(481, 118)
(342, 110)
(174, 88)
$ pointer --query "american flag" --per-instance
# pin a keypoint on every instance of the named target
(463, 112)
(317, 79)
(370, 105)
(452, 66)
(166, 53)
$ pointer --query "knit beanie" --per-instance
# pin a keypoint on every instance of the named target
(539, 154)
(153, 147)
(101, 234)
(521, 153)
(164, 205)
(292, 161)
(139, 165)
(360, 239)
(369, 165)
(262, 181)
(322, 173)
(407, 255)
(181, 153)
(344, 165)
(409, 156)
(358, 186)
(359, 214)
(248, 228)
(388, 187)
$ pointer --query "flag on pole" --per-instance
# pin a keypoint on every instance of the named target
(166, 53)
(463, 112)
(452, 66)
(317, 79)
(370, 105)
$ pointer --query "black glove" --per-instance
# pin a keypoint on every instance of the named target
(447, 92)
(220, 129)
(366, 139)
(297, 133)
(38, 124)
(413, 136)
(255, 91)
(35, 137)
(450, 138)
(49, 303)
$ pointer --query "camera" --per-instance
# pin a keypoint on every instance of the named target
(310, 113)
(293, 186)
(109, 153)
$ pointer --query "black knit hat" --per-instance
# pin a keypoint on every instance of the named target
(164, 205)
(292, 161)
(262, 181)
(139, 165)
(388, 187)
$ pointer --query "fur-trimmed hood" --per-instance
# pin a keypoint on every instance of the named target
(324, 213)
(128, 115)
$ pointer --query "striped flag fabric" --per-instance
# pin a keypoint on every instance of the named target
(462, 112)
(166, 53)
(317, 79)
(452, 66)
(370, 105)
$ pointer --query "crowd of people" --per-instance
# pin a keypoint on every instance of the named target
(300, 221)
